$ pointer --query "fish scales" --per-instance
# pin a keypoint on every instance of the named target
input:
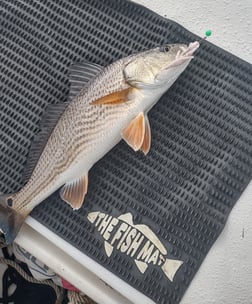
(80, 130)
(111, 106)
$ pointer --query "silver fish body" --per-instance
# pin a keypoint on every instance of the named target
(111, 106)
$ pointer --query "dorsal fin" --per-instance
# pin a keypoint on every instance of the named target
(81, 73)
(47, 124)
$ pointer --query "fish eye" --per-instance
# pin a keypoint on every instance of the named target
(164, 49)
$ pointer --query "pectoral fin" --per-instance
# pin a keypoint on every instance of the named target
(114, 98)
(74, 192)
(147, 137)
(108, 248)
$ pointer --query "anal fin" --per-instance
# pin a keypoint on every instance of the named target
(142, 266)
(74, 192)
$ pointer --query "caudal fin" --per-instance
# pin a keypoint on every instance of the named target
(171, 267)
(10, 220)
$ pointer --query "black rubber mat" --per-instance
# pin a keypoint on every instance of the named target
(201, 155)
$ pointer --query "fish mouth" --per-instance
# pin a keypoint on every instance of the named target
(184, 54)
(192, 47)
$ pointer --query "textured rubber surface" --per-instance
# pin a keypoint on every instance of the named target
(201, 155)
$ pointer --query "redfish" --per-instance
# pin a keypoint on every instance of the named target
(106, 104)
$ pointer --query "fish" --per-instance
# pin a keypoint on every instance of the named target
(105, 104)
(137, 241)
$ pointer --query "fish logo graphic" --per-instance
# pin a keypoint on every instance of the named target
(137, 241)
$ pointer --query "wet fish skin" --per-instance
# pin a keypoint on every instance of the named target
(111, 106)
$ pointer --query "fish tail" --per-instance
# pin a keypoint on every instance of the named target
(10, 220)
(171, 267)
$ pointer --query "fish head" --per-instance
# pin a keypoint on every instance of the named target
(159, 67)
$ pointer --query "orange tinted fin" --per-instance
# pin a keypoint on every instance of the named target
(147, 137)
(134, 133)
(113, 98)
(74, 192)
